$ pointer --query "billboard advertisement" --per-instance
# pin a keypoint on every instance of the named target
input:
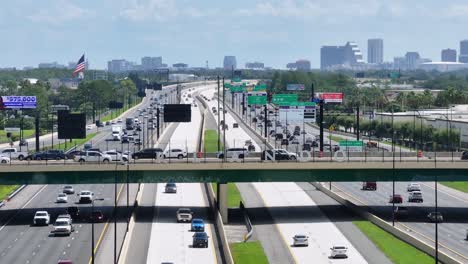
(291, 114)
(17, 102)
(295, 87)
(331, 97)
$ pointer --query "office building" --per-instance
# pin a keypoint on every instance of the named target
(229, 62)
(347, 56)
(299, 65)
(399, 63)
(449, 55)
(255, 65)
(151, 63)
(463, 58)
(180, 65)
(412, 60)
(375, 51)
(118, 66)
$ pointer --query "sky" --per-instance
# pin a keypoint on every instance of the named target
(271, 31)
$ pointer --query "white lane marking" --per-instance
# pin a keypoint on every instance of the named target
(28, 202)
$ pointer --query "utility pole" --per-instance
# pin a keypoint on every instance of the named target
(157, 122)
(357, 122)
(219, 132)
(38, 114)
(321, 124)
(266, 121)
(224, 122)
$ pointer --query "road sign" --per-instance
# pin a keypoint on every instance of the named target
(12, 130)
(17, 102)
(291, 114)
(331, 128)
(56, 108)
(351, 145)
(284, 99)
(257, 98)
(295, 87)
(260, 87)
(331, 97)
(236, 79)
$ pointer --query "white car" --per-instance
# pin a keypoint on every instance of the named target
(4, 160)
(116, 155)
(175, 153)
(86, 197)
(61, 198)
(413, 187)
(89, 127)
(41, 218)
(339, 252)
(63, 226)
(300, 240)
(93, 156)
(119, 120)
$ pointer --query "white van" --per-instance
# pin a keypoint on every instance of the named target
(234, 153)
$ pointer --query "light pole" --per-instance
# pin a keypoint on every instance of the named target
(92, 227)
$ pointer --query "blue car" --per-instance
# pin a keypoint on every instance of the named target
(198, 225)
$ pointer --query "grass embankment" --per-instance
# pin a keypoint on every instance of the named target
(27, 133)
(77, 142)
(248, 253)
(396, 250)
(116, 112)
(5, 190)
(461, 186)
(211, 141)
(234, 196)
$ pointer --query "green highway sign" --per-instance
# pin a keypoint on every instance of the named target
(237, 79)
(304, 104)
(260, 87)
(257, 100)
(284, 99)
(351, 145)
(237, 89)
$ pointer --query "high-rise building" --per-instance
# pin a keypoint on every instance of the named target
(399, 63)
(117, 66)
(463, 58)
(254, 65)
(229, 62)
(348, 56)
(449, 55)
(412, 60)
(151, 63)
(303, 65)
(375, 51)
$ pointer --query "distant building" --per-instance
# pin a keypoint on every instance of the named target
(443, 66)
(299, 65)
(412, 60)
(229, 62)
(180, 65)
(399, 63)
(291, 66)
(151, 63)
(375, 51)
(255, 65)
(118, 66)
(348, 56)
(463, 58)
(51, 65)
(70, 83)
(96, 75)
(449, 55)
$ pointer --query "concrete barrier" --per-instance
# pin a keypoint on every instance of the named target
(399, 233)
(219, 226)
(13, 194)
(247, 221)
(2, 203)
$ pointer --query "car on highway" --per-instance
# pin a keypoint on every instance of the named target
(62, 226)
(197, 225)
(148, 153)
(93, 156)
(464, 155)
(279, 136)
(89, 127)
(73, 211)
(233, 153)
(435, 217)
(65, 261)
(74, 153)
(235, 125)
(415, 197)
(339, 252)
(285, 142)
(23, 143)
(41, 218)
(97, 216)
(413, 187)
(61, 198)
(68, 189)
(372, 186)
(116, 155)
(66, 216)
(175, 153)
(184, 215)
(85, 197)
(397, 198)
(170, 187)
(4, 160)
(200, 239)
(48, 155)
(300, 240)
(280, 154)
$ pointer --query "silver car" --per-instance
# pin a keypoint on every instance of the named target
(171, 187)
(300, 240)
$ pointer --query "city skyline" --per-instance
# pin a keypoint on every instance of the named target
(106, 30)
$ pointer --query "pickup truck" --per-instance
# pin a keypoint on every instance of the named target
(13, 153)
(63, 226)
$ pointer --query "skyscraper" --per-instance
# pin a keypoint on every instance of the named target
(449, 55)
(229, 62)
(463, 58)
(412, 60)
(375, 51)
(151, 63)
(348, 56)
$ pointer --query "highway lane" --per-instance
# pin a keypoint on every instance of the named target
(454, 209)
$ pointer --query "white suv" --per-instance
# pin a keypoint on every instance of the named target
(63, 226)
(93, 156)
(339, 252)
(86, 197)
(175, 153)
(413, 187)
(41, 218)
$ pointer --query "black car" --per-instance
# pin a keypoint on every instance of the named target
(278, 155)
(125, 139)
(72, 154)
(307, 147)
(23, 143)
(149, 153)
(48, 155)
(200, 239)
(464, 155)
(74, 211)
(279, 136)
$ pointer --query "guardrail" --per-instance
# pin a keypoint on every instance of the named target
(13, 194)
(399, 233)
(247, 221)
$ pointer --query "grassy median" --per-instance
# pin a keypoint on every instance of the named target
(75, 142)
(234, 196)
(27, 133)
(5, 190)
(461, 186)
(211, 141)
(248, 253)
(396, 250)
(116, 112)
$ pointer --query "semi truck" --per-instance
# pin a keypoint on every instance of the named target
(116, 132)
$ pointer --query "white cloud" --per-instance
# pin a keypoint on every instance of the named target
(61, 11)
(456, 11)
(161, 10)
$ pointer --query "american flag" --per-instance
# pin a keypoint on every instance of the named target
(80, 66)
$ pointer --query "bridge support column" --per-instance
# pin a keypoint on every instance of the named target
(222, 201)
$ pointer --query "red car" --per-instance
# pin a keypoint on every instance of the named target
(397, 198)
(97, 216)
(65, 261)
(369, 186)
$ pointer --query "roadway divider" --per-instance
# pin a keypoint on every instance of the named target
(397, 232)
(13, 194)
(247, 221)
(219, 226)
(131, 227)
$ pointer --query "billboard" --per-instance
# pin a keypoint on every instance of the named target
(17, 102)
(71, 125)
(291, 114)
(295, 87)
(177, 113)
(331, 97)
